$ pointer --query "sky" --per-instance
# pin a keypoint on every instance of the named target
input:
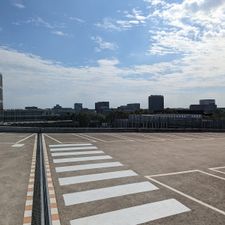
(62, 52)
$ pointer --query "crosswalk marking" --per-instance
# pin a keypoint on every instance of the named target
(69, 145)
(126, 216)
(76, 153)
(72, 148)
(96, 177)
(135, 215)
(109, 192)
(87, 167)
(81, 159)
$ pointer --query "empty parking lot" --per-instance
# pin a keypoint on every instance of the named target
(126, 178)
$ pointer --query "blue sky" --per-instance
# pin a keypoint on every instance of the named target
(91, 50)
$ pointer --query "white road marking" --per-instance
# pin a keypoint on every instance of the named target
(53, 139)
(135, 215)
(153, 138)
(96, 177)
(17, 145)
(77, 153)
(72, 148)
(221, 167)
(81, 159)
(212, 175)
(173, 173)
(77, 135)
(177, 137)
(69, 145)
(87, 167)
(187, 196)
(109, 192)
(121, 137)
(91, 137)
(218, 171)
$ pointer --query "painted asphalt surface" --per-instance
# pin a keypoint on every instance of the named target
(158, 179)
(120, 178)
(15, 164)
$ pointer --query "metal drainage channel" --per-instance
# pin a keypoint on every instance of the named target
(41, 209)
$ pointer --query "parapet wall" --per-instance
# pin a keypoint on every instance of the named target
(102, 130)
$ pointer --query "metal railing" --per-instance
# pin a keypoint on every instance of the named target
(41, 209)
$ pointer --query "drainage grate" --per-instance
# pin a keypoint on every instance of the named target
(40, 212)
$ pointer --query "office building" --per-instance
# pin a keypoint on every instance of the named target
(205, 105)
(207, 102)
(101, 107)
(156, 103)
(1, 92)
(132, 107)
(78, 107)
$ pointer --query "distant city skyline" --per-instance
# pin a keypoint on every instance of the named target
(121, 51)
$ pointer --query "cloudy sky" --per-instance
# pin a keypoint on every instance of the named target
(54, 51)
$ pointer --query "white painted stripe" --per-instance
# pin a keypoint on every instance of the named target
(212, 175)
(69, 145)
(27, 213)
(96, 177)
(109, 192)
(53, 138)
(173, 173)
(135, 215)
(81, 159)
(17, 145)
(29, 202)
(187, 196)
(72, 149)
(24, 139)
(56, 222)
(218, 171)
(91, 137)
(220, 167)
(121, 137)
(77, 153)
(87, 167)
(77, 135)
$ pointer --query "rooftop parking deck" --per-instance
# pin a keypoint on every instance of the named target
(120, 178)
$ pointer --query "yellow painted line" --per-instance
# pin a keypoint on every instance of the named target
(30, 188)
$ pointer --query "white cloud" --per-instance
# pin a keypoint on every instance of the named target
(108, 24)
(40, 22)
(19, 5)
(76, 19)
(186, 25)
(103, 45)
(60, 33)
(31, 80)
(156, 2)
(136, 15)
(133, 18)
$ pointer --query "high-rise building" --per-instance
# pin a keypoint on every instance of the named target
(156, 102)
(78, 107)
(1, 92)
(101, 107)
